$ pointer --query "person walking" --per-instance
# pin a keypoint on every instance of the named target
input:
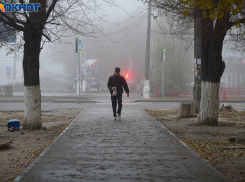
(116, 84)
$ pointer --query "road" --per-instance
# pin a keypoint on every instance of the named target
(102, 98)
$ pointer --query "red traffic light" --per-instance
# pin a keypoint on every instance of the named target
(127, 75)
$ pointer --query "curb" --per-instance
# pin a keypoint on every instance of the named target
(50, 101)
(17, 179)
(73, 102)
(160, 100)
(193, 152)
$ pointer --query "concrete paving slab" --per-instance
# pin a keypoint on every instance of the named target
(96, 148)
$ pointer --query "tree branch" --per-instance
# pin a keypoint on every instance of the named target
(22, 2)
(51, 9)
(10, 21)
(46, 36)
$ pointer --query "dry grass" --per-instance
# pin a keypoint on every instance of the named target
(26, 147)
(230, 162)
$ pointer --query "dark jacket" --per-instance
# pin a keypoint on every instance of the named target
(119, 82)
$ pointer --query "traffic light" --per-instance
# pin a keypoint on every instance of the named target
(127, 76)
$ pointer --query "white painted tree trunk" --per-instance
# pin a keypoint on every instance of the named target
(209, 105)
(32, 99)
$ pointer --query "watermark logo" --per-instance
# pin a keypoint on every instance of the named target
(2, 8)
(20, 7)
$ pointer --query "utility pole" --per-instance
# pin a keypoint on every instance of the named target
(163, 61)
(79, 51)
(146, 90)
(197, 56)
(79, 77)
(84, 64)
(129, 74)
(14, 67)
(129, 67)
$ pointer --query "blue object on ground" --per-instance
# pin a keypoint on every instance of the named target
(13, 122)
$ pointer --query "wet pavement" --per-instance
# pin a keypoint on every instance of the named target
(96, 148)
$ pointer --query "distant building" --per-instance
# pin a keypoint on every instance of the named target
(234, 74)
(92, 68)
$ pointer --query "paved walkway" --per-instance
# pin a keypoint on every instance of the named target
(96, 148)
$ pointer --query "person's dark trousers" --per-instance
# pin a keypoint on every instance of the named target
(114, 101)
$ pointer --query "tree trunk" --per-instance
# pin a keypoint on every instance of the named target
(212, 67)
(32, 93)
(208, 113)
(33, 35)
(32, 101)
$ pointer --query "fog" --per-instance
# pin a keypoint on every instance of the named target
(120, 41)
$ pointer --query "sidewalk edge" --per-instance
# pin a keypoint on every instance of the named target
(18, 178)
(192, 151)
(160, 100)
(51, 101)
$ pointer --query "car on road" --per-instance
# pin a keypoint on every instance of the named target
(70, 86)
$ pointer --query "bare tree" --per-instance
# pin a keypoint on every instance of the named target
(219, 18)
(54, 20)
